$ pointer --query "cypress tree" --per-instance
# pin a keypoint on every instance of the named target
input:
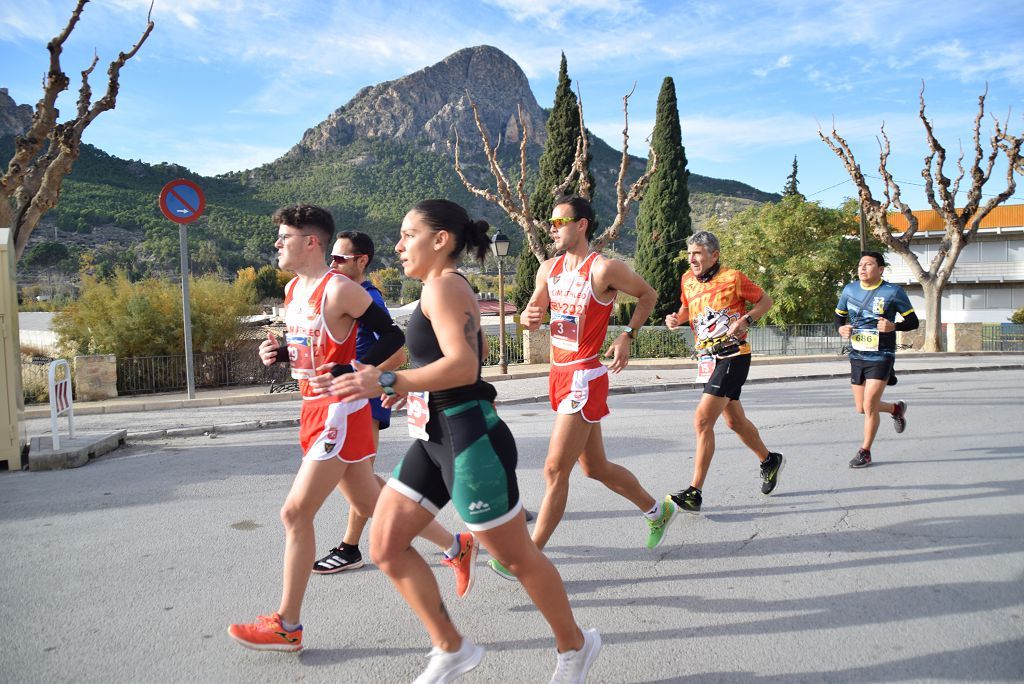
(663, 218)
(791, 182)
(563, 130)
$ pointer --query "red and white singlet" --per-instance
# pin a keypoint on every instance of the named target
(579, 320)
(310, 342)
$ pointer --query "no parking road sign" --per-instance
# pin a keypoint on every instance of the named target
(182, 201)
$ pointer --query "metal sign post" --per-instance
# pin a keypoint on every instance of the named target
(182, 201)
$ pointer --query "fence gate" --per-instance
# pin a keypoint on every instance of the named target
(61, 401)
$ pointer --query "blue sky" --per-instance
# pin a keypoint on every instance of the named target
(225, 85)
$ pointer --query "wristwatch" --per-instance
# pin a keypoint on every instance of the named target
(631, 332)
(750, 321)
(387, 382)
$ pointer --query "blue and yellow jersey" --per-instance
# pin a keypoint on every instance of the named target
(862, 307)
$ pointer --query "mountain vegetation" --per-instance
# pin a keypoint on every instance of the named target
(369, 162)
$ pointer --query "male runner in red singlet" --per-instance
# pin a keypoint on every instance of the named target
(580, 287)
(323, 308)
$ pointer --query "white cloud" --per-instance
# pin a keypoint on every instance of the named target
(782, 62)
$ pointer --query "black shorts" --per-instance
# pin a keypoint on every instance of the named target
(470, 460)
(861, 370)
(728, 378)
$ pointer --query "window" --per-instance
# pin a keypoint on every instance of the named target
(1016, 297)
(994, 250)
(998, 298)
(952, 299)
(1015, 250)
(971, 253)
(974, 298)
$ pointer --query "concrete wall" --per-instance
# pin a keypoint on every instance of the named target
(537, 346)
(95, 377)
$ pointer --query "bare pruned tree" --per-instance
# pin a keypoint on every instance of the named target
(513, 199)
(31, 186)
(960, 224)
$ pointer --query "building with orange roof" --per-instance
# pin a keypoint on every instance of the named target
(987, 283)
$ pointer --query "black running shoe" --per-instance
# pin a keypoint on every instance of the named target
(862, 459)
(899, 417)
(688, 500)
(338, 560)
(770, 469)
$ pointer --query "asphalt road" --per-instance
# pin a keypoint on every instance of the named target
(130, 569)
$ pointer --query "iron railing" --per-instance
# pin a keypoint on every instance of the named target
(147, 374)
(1002, 337)
(654, 342)
(513, 349)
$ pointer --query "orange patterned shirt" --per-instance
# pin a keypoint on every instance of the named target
(715, 304)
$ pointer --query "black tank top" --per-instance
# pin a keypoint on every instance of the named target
(424, 349)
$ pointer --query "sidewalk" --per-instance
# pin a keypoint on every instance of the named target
(242, 409)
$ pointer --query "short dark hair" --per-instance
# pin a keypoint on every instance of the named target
(581, 209)
(308, 217)
(362, 242)
(877, 256)
(442, 214)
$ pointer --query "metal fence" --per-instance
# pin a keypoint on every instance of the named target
(35, 380)
(147, 374)
(513, 349)
(1002, 337)
(655, 342)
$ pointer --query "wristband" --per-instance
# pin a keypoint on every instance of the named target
(340, 369)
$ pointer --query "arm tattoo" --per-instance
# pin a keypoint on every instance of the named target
(470, 332)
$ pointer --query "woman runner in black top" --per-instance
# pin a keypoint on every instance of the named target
(463, 452)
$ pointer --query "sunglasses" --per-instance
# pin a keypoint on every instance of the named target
(558, 222)
(343, 258)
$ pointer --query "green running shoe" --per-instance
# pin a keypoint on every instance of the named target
(500, 570)
(770, 470)
(658, 527)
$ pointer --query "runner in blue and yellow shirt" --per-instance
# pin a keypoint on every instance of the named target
(866, 316)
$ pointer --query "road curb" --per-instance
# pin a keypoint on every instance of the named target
(246, 426)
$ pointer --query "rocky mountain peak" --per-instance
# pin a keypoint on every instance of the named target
(14, 118)
(424, 106)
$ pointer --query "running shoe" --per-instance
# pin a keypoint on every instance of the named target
(339, 560)
(446, 667)
(688, 500)
(899, 416)
(463, 564)
(658, 527)
(862, 459)
(267, 634)
(573, 666)
(501, 570)
(770, 469)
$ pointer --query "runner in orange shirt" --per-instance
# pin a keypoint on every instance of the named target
(714, 301)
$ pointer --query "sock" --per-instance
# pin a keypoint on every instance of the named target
(453, 552)
(655, 512)
(289, 627)
(348, 548)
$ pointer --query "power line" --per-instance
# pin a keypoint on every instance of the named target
(848, 180)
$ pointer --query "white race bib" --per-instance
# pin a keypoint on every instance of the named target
(864, 339)
(705, 367)
(565, 331)
(300, 355)
(417, 414)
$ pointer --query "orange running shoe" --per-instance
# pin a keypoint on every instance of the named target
(464, 564)
(267, 634)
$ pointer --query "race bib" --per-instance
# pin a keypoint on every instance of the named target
(864, 340)
(417, 413)
(705, 367)
(300, 355)
(565, 331)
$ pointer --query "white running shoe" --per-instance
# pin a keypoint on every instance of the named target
(447, 667)
(573, 666)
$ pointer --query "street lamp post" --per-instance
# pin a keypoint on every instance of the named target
(499, 245)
